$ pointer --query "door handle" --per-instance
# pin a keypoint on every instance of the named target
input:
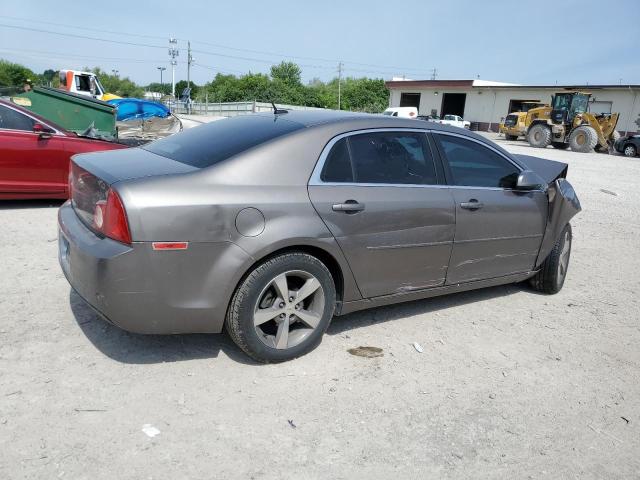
(350, 206)
(472, 204)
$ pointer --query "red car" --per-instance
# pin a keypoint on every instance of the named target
(35, 154)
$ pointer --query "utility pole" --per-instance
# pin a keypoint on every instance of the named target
(173, 53)
(339, 83)
(189, 62)
(434, 73)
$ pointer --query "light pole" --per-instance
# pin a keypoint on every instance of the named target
(115, 72)
(162, 69)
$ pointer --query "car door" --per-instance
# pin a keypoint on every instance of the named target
(498, 229)
(382, 197)
(30, 162)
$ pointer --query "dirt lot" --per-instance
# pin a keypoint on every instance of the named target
(511, 384)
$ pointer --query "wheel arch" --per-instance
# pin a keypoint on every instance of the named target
(327, 258)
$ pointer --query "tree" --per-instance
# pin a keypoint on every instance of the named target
(286, 72)
(123, 87)
(14, 75)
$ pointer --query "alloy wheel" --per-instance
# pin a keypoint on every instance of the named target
(289, 309)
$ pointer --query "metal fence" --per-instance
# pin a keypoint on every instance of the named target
(228, 109)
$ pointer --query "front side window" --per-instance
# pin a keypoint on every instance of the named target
(474, 165)
(382, 158)
(12, 120)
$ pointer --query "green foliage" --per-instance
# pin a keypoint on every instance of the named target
(181, 85)
(123, 87)
(283, 85)
(165, 88)
(15, 75)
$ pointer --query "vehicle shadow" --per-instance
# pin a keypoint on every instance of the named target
(398, 311)
(134, 348)
(24, 204)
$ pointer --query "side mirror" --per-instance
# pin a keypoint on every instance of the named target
(528, 180)
(42, 131)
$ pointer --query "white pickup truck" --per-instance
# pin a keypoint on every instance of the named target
(455, 121)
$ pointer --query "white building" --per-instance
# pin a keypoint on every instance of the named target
(487, 103)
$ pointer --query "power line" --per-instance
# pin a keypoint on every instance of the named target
(112, 32)
(42, 53)
(203, 52)
(216, 45)
(86, 37)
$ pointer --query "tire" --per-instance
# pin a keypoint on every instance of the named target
(553, 270)
(560, 145)
(510, 137)
(583, 139)
(539, 136)
(281, 335)
(630, 150)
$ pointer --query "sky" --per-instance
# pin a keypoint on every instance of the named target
(541, 42)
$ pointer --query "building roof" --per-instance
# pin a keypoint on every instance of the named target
(464, 84)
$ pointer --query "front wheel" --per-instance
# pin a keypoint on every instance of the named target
(553, 270)
(630, 151)
(539, 136)
(282, 308)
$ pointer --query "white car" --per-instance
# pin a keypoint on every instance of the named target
(402, 112)
(455, 121)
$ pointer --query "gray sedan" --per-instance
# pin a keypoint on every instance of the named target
(269, 225)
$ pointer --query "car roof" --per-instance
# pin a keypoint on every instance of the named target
(359, 120)
(26, 111)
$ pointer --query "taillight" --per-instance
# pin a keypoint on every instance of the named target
(98, 205)
(110, 218)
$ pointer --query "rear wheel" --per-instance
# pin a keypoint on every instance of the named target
(583, 139)
(282, 308)
(630, 150)
(510, 137)
(553, 270)
(539, 136)
(560, 145)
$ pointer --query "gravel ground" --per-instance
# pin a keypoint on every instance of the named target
(511, 384)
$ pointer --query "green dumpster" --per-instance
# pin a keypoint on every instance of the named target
(71, 111)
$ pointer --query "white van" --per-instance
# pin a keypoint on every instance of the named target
(403, 112)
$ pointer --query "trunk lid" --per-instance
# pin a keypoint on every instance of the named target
(128, 164)
(93, 174)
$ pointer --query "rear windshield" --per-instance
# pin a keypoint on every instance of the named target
(214, 142)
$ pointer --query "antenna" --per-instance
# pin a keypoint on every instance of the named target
(277, 111)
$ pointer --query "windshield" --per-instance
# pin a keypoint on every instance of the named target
(579, 104)
(449, 117)
(562, 101)
(388, 112)
(214, 142)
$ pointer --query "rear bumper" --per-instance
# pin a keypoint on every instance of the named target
(145, 291)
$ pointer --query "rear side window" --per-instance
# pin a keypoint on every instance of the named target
(474, 165)
(12, 120)
(392, 157)
(337, 167)
(214, 142)
(381, 157)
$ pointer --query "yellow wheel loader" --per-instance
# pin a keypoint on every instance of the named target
(568, 123)
(516, 123)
